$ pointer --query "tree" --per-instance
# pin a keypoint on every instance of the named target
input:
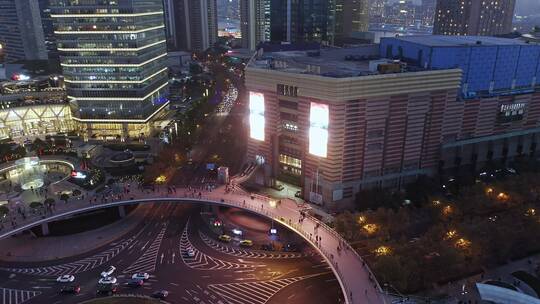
(49, 202)
(3, 211)
(377, 197)
(35, 205)
(195, 68)
(39, 145)
(64, 197)
(420, 190)
(391, 269)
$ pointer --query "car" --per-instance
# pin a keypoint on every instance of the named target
(67, 278)
(225, 238)
(246, 243)
(141, 276)
(107, 280)
(107, 289)
(71, 289)
(135, 283)
(298, 194)
(190, 252)
(108, 272)
(160, 294)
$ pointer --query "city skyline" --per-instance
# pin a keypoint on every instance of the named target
(269, 151)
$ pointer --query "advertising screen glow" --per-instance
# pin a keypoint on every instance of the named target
(256, 115)
(318, 129)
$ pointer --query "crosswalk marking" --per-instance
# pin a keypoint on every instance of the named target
(254, 292)
(78, 266)
(202, 261)
(147, 262)
(247, 253)
(15, 296)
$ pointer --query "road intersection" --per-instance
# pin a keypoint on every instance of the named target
(158, 247)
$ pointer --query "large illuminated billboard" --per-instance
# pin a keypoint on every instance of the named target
(256, 115)
(318, 129)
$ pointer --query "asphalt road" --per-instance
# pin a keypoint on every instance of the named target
(217, 273)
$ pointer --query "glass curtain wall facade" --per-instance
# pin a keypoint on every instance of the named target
(302, 20)
(113, 56)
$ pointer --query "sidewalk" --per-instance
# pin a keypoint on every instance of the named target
(26, 248)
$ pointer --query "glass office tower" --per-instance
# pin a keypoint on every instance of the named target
(302, 20)
(113, 58)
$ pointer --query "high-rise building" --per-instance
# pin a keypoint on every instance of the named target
(254, 22)
(351, 16)
(21, 31)
(428, 12)
(302, 20)
(113, 60)
(195, 24)
(48, 29)
(473, 17)
(170, 24)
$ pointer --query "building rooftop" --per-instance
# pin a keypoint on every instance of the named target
(329, 62)
(441, 41)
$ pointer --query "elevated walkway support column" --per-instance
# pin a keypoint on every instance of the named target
(44, 229)
(122, 211)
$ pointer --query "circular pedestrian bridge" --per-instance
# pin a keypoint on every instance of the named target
(356, 280)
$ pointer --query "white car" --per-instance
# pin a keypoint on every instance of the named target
(108, 272)
(67, 278)
(190, 252)
(107, 280)
(141, 276)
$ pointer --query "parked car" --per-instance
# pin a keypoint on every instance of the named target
(190, 252)
(67, 278)
(141, 276)
(224, 238)
(108, 272)
(75, 289)
(160, 294)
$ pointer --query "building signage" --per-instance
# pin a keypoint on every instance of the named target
(319, 120)
(256, 116)
(287, 90)
(512, 111)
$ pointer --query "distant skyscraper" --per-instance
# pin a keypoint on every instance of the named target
(254, 22)
(302, 20)
(21, 31)
(428, 11)
(473, 17)
(195, 24)
(351, 16)
(48, 28)
(170, 24)
(113, 60)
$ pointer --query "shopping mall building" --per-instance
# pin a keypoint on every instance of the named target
(339, 120)
(34, 107)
